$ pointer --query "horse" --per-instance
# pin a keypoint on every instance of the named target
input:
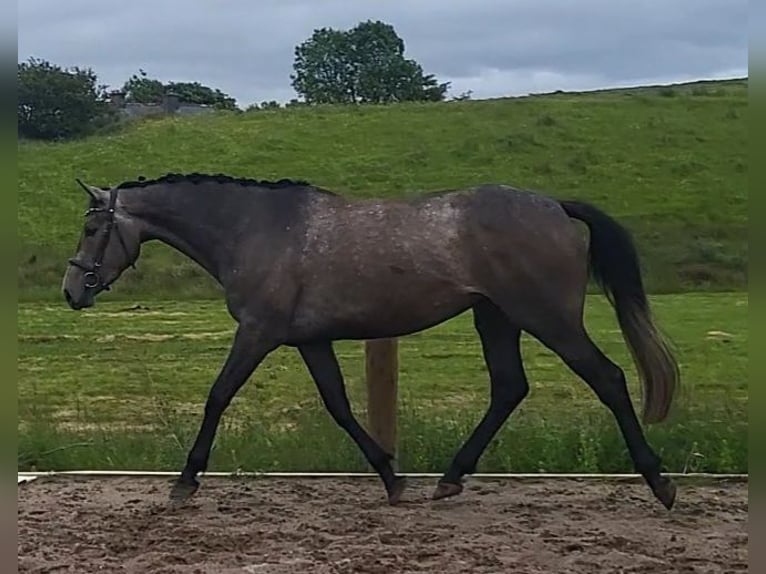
(302, 266)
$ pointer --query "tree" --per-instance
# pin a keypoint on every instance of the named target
(365, 64)
(264, 105)
(57, 103)
(142, 89)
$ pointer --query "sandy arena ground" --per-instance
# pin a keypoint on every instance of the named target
(270, 526)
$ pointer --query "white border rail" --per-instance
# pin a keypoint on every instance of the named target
(486, 476)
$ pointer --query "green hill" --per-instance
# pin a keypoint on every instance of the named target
(669, 161)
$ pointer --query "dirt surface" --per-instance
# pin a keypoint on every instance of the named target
(269, 526)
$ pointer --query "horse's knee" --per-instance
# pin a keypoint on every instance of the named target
(510, 394)
(217, 401)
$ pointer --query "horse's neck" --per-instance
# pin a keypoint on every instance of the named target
(188, 227)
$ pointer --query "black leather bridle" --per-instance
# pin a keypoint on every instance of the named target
(92, 276)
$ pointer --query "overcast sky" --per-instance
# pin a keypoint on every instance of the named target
(492, 47)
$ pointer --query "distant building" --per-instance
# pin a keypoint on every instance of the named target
(171, 105)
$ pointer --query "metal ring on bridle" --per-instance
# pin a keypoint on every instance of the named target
(88, 284)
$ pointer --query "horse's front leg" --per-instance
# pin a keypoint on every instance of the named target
(325, 370)
(250, 347)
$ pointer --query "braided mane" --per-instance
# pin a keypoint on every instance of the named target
(197, 178)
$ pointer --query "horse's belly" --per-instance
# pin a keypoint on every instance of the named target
(368, 311)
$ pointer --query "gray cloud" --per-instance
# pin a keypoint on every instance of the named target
(493, 47)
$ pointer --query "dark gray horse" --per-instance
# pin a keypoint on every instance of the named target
(303, 267)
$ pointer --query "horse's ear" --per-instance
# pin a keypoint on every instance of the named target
(96, 194)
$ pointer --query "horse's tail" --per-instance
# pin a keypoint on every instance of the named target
(615, 266)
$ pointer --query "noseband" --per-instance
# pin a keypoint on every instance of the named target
(92, 277)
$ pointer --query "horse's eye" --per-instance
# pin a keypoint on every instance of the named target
(90, 230)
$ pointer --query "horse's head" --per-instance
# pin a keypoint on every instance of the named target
(110, 243)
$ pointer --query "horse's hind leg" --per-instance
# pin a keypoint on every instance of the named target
(500, 341)
(607, 380)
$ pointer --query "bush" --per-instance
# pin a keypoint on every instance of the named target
(56, 103)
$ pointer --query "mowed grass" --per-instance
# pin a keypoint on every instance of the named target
(122, 386)
(669, 162)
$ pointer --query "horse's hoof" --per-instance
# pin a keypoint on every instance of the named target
(183, 489)
(665, 492)
(446, 489)
(396, 490)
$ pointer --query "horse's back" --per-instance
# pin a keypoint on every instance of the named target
(451, 231)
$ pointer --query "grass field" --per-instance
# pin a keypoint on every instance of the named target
(670, 162)
(122, 386)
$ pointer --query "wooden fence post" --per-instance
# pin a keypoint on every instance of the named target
(382, 374)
